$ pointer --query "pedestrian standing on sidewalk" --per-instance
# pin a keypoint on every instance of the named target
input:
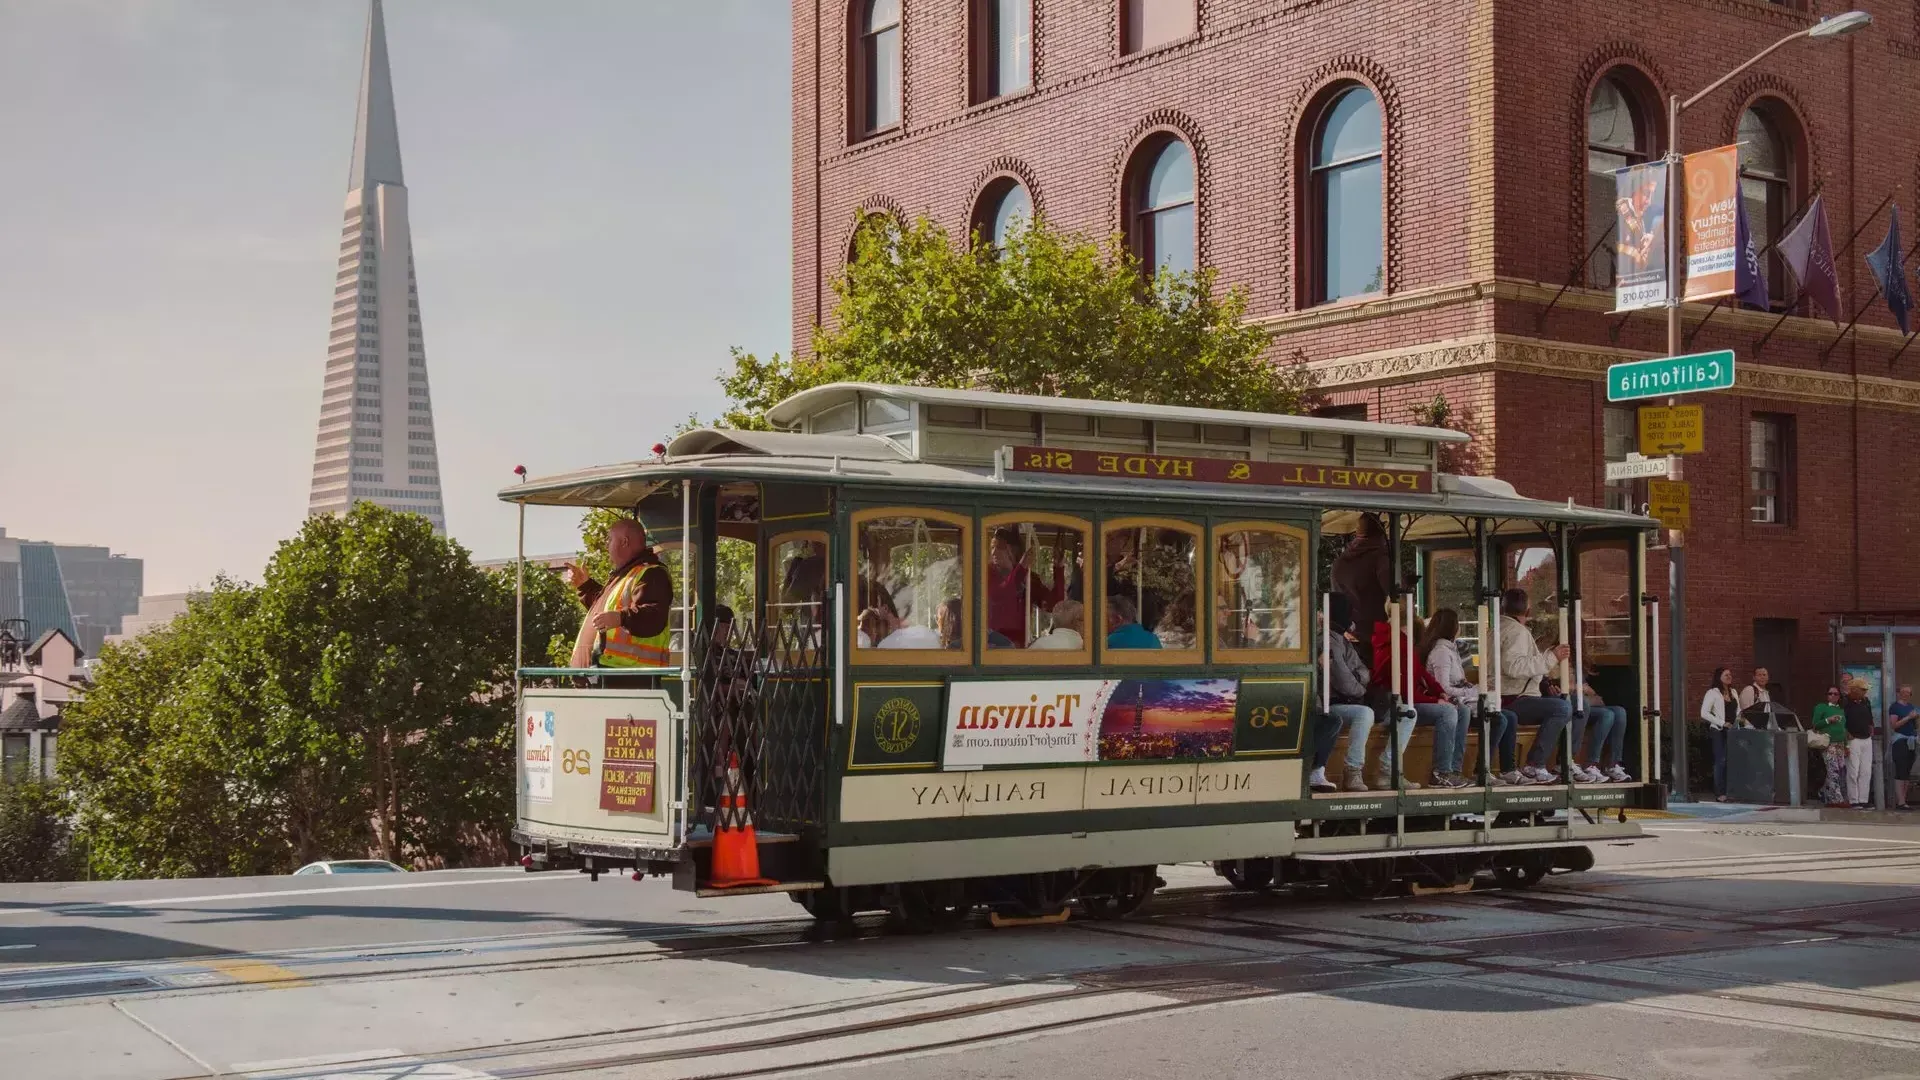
(1829, 721)
(1717, 709)
(1859, 745)
(1905, 718)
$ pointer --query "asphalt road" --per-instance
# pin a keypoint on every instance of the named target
(1715, 950)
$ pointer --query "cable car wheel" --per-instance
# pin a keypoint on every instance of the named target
(1131, 888)
(1524, 873)
(924, 906)
(1246, 875)
(1364, 879)
(825, 905)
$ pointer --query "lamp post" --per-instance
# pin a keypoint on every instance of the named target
(1829, 28)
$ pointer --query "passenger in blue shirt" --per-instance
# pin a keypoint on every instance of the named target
(1123, 626)
(1905, 718)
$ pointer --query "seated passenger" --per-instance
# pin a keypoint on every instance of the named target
(1347, 685)
(1175, 628)
(1123, 626)
(1068, 619)
(1430, 705)
(1522, 665)
(890, 631)
(1440, 648)
(1013, 589)
(946, 622)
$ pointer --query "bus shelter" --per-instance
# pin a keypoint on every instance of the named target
(1883, 648)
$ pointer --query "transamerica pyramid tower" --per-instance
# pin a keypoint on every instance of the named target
(376, 419)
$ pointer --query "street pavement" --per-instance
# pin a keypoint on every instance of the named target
(1728, 948)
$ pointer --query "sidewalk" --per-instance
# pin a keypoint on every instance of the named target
(1747, 813)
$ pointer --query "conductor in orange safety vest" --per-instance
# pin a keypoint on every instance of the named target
(626, 623)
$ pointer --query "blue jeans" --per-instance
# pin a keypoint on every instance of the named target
(1718, 736)
(1552, 714)
(1356, 721)
(1506, 736)
(1449, 733)
(1607, 733)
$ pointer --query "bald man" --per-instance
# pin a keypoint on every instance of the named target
(626, 623)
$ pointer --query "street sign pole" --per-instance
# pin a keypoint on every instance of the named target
(1676, 540)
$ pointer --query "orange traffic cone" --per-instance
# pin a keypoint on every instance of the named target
(736, 851)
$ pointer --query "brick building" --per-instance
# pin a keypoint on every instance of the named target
(1454, 147)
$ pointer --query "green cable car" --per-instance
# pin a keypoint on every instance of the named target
(961, 648)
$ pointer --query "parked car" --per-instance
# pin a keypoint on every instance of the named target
(350, 866)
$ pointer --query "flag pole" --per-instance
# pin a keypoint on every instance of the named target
(1877, 292)
(1844, 248)
(1903, 348)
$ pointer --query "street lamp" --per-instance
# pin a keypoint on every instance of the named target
(1827, 29)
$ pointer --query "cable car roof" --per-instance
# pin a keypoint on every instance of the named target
(867, 461)
(789, 413)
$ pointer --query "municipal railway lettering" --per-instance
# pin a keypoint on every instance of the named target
(949, 794)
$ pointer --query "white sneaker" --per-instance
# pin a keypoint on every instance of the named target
(1534, 774)
(1510, 778)
(1319, 782)
(1583, 775)
(1619, 775)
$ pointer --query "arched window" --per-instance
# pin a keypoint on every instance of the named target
(880, 226)
(1005, 208)
(1160, 203)
(876, 66)
(1767, 168)
(1346, 214)
(1002, 47)
(1617, 136)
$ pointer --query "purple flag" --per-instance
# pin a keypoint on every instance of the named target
(1808, 252)
(1888, 265)
(1749, 281)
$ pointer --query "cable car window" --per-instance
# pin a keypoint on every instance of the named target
(1259, 579)
(1150, 590)
(910, 585)
(1034, 576)
(1449, 579)
(1606, 604)
(798, 586)
(1534, 568)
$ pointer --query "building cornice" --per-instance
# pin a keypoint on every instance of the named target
(1563, 360)
(1540, 294)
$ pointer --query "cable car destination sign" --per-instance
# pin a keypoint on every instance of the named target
(1207, 470)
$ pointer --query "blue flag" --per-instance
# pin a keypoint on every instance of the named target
(1749, 281)
(1888, 263)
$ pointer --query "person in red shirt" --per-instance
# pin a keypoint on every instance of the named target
(1012, 587)
(1430, 702)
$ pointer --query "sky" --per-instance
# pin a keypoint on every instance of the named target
(600, 208)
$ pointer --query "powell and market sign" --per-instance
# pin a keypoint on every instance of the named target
(1205, 470)
(1664, 376)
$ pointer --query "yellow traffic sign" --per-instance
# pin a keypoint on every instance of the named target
(1672, 429)
(1672, 502)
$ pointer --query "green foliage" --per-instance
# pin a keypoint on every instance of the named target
(1461, 459)
(364, 681)
(1052, 314)
(36, 841)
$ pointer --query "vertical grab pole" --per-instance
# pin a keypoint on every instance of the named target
(1563, 564)
(1326, 652)
(1580, 668)
(839, 647)
(1654, 652)
(686, 664)
(519, 604)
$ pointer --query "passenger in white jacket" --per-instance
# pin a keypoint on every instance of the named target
(1443, 662)
(1522, 665)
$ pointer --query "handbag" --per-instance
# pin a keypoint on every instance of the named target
(1818, 741)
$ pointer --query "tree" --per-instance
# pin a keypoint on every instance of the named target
(358, 701)
(36, 841)
(1049, 313)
